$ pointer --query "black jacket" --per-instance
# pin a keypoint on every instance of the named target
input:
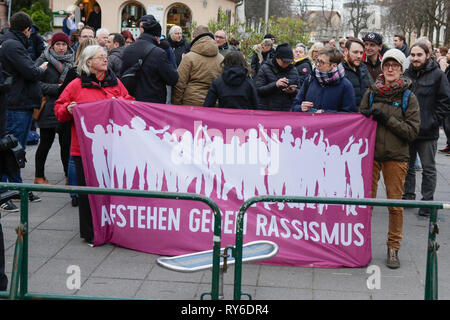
(95, 20)
(233, 89)
(304, 69)
(360, 80)
(270, 96)
(268, 55)
(25, 93)
(179, 48)
(115, 60)
(431, 87)
(157, 71)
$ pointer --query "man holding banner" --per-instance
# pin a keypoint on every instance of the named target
(398, 124)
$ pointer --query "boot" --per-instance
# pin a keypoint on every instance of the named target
(41, 181)
(392, 259)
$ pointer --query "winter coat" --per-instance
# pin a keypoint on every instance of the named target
(233, 89)
(37, 43)
(179, 48)
(304, 69)
(157, 71)
(393, 138)
(87, 89)
(337, 97)
(95, 20)
(25, 93)
(50, 85)
(226, 48)
(360, 80)
(197, 71)
(405, 50)
(374, 69)
(259, 57)
(115, 60)
(270, 96)
(432, 89)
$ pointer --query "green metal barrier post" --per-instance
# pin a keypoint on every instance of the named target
(20, 269)
(431, 287)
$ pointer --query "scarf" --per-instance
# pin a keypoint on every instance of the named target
(331, 77)
(392, 89)
(62, 63)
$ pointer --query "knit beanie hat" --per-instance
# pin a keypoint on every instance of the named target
(394, 54)
(60, 36)
(150, 25)
(284, 52)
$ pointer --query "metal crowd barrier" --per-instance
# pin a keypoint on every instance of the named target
(431, 284)
(19, 279)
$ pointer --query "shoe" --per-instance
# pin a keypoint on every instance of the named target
(445, 150)
(8, 206)
(74, 201)
(392, 259)
(41, 181)
(409, 196)
(33, 198)
(424, 212)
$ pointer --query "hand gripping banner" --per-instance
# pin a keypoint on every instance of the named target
(229, 156)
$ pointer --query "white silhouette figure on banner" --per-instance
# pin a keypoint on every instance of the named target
(304, 167)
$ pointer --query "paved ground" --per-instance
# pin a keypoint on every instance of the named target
(113, 271)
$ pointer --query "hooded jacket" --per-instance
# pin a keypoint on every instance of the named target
(270, 96)
(157, 71)
(432, 89)
(393, 138)
(87, 89)
(25, 93)
(304, 69)
(197, 71)
(233, 89)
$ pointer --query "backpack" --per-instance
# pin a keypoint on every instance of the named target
(405, 101)
(131, 76)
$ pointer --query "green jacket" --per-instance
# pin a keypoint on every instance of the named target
(392, 139)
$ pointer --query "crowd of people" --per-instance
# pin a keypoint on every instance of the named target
(406, 90)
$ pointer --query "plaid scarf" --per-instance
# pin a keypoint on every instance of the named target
(331, 77)
(390, 90)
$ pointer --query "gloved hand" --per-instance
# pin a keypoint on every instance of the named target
(366, 112)
(379, 116)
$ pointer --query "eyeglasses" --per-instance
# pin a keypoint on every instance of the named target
(394, 66)
(100, 58)
(320, 62)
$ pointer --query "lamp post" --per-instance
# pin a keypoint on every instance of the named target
(266, 16)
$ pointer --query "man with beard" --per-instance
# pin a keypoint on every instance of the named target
(356, 71)
(373, 43)
(432, 89)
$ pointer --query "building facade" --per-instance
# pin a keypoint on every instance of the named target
(118, 15)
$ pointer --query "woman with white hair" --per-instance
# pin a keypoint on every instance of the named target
(95, 82)
(314, 52)
(178, 43)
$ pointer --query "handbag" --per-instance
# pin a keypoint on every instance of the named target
(37, 112)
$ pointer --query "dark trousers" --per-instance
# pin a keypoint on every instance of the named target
(84, 209)
(46, 142)
(426, 149)
(447, 128)
(3, 277)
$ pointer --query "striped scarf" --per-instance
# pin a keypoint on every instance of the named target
(331, 77)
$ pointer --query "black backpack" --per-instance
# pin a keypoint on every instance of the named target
(130, 77)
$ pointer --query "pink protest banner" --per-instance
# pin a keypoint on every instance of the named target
(229, 156)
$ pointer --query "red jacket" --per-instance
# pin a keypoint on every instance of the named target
(87, 89)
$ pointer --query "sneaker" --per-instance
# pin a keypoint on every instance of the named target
(445, 150)
(8, 206)
(33, 198)
(392, 261)
(74, 201)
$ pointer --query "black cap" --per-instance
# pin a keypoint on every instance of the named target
(374, 37)
(269, 36)
(284, 52)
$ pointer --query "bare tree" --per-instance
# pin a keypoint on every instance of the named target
(359, 15)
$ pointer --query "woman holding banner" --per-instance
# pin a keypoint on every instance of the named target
(96, 82)
(398, 118)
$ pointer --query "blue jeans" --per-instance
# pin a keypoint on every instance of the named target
(19, 124)
(72, 174)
